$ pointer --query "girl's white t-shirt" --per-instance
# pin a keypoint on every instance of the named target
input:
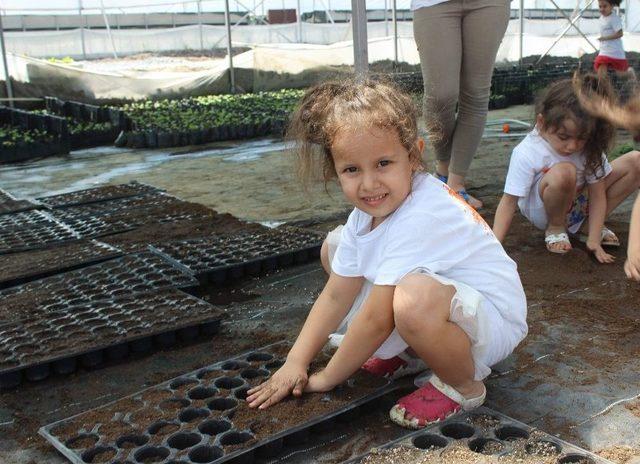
(533, 157)
(436, 230)
(609, 25)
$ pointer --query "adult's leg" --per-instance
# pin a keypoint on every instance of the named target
(483, 26)
(557, 190)
(437, 32)
(421, 309)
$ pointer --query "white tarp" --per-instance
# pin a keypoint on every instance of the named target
(44, 44)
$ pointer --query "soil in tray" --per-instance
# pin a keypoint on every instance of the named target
(155, 234)
(18, 265)
(458, 453)
(292, 412)
(97, 194)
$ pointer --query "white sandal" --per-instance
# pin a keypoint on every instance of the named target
(552, 239)
(605, 232)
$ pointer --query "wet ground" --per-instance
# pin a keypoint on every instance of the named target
(577, 375)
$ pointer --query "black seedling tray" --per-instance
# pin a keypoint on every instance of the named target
(10, 204)
(31, 230)
(487, 432)
(87, 334)
(97, 194)
(125, 276)
(190, 419)
(20, 268)
(217, 259)
(114, 206)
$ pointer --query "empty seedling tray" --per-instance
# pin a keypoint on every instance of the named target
(30, 230)
(125, 276)
(20, 268)
(87, 334)
(221, 258)
(202, 417)
(97, 194)
(472, 436)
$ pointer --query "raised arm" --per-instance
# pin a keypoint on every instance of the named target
(327, 312)
(504, 215)
(368, 330)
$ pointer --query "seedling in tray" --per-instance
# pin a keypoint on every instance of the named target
(202, 416)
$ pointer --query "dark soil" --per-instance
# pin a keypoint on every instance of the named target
(292, 411)
(97, 194)
(63, 256)
(156, 234)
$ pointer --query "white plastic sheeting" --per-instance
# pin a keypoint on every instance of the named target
(43, 44)
(267, 66)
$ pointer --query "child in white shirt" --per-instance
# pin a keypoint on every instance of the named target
(559, 175)
(414, 270)
(611, 53)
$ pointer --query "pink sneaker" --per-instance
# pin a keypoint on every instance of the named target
(430, 403)
(393, 368)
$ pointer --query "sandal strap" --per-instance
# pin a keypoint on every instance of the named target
(556, 238)
(607, 232)
(466, 403)
(463, 193)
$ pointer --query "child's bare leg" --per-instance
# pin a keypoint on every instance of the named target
(557, 190)
(623, 180)
(324, 257)
(421, 308)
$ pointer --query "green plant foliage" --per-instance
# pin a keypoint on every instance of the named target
(10, 136)
(621, 150)
(210, 111)
(65, 60)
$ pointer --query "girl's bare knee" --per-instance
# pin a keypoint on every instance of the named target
(324, 257)
(562, 176)
(418, 301)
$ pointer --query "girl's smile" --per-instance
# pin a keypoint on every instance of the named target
(374, 169)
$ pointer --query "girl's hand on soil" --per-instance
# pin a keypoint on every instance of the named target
(601, 255)
(289, 379)
(632, 267)
(319, 383)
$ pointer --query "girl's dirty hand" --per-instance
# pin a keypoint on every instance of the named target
(601, 255)
(319, 383)
(291, 378)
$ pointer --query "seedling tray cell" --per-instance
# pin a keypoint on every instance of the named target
(97, 194)
(202, 416)
(20, 268)
(219, 258)
(87, 334)
(479, 436)
(125, 276)
(114, 206)
(31, 230)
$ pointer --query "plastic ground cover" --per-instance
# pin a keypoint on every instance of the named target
(220, 258)
(90, 333)
(30, 230)
(125, 276)
(97, 194)
(482, 431)
(189, 419)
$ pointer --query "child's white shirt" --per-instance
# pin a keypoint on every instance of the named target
(609, 25)
(534, 156)
(434, 229)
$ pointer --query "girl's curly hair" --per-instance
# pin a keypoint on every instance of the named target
(561, 100)
(333, 106)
